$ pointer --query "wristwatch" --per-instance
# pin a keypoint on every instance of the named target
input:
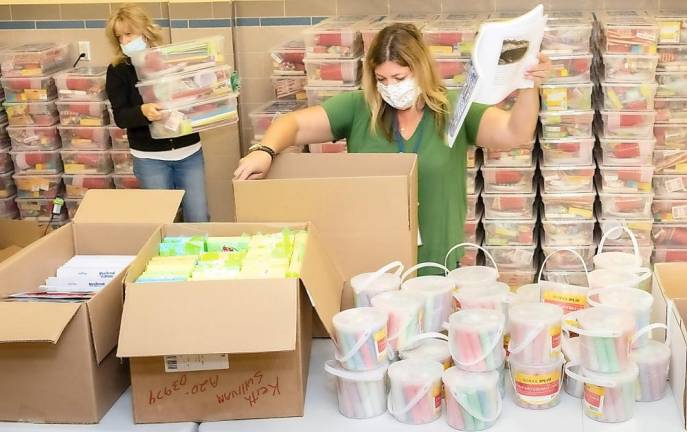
(264, 148)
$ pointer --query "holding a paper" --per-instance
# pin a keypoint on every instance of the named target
(404, 107)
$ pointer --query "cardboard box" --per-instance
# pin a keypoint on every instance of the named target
(364, 205)
(668, 285)
(260, 328)
(17, 234)
(57, 360)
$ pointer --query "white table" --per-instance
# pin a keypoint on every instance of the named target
(321, 413)
(118, 419)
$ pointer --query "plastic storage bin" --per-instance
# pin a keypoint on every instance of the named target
(665, 255)
(38, 185)
(86, 161)
(578, 278)
(565, 97)
(569, 206)
(83, 113)
(29, 89)
(569, 151)
(672, 58)
(287, 58)
(517, 278)
(669, 161)
(39, 209)
(196, 117)
(84, 138)
(317, 95)
(34, 138)
(262, 117)
(670, 136)
(472, 186)
(670, 185)
(289, 87)
(509, 232)
(125, 181)
(627, 152)
(570, 67)
(119, 138)
(641, 228)
(7, 186)
(31, 114)
(672, 27)
(567, 262)
(567, 179)
(37, 162)
(334, 38)
(566, 124)
(631, 35)
(8, 208)
(330, 147)
(473, 206)
(35, 59)
(566, 35)
(122, 161)
(670, 235)
(628, 206)
(470, 229)
(6, 164)
(630, 67)
(517, 157)
(671, 84)
(450, 38)
(669, 210)
(186, 87)
(504, 206)
(82, 84)
(512, 257)
(626, 179)
(471, 158)
(628, 96)
(570, 232)
(76, 186)
(333, 72)
(628, 124)
(671, 110)
(453, 72)
(508, 180)
(163, 60)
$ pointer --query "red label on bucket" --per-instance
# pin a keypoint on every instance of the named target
(594, 399)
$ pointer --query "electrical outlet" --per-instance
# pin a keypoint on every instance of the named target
(85, 48)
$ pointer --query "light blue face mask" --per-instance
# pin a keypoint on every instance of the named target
(135, 45)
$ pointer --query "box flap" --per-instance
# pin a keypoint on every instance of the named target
(213, 317)
(671, 279)
(34, 322)
(129, 205)
(8, 252)
(342, 165)
(105, 315)
(18, 232)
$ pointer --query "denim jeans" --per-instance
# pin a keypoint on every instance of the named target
(186, 174)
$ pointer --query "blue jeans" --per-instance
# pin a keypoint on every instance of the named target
(186, 174)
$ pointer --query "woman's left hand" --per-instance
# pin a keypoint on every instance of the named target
(539, 72)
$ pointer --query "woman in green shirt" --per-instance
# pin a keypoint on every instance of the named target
(404, 107)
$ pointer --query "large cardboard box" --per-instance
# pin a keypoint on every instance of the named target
(252, 337)
(57, 360)
(364, 205)
(15, 235)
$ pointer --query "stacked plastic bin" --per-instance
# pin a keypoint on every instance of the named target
(120, 143)
(567, 144)
(30, 94)
(375, 24)
(8, 188)
(288, 70)
(626, 105)
(263, 116)
(191, 85)
(670, 178)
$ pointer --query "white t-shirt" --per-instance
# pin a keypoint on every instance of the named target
(168, 155)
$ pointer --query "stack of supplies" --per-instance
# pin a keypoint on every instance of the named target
(263, 116)
(288, 70)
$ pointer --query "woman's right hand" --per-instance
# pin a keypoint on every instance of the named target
(151, 111)
(254, 166)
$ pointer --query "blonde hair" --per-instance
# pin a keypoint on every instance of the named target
(403, 44)
(139, 21)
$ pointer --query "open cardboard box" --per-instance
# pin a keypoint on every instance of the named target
(57, 360)
(364, 205)
(17, 234)
(224, 349)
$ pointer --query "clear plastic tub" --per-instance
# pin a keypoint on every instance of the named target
(670, 185)
(369, 31)
(263, 116)
(672, 58)
(329, 147)
(512, 257)
(507, 206)
(7, 186)
(566, 35)
(453, 72)
(628, 124)
(8, 208)
(31, 114)
(39, 209)
(123, 162)
(186, 87)
(627, 152)
(630, 67)
(665, 255)
(82, 84)
(568, 232)
(471, 156)
(37, 162)
(669, 161)
(631, 35)
(626, 179)
(516, 278)
(627, 206)
(72, 205)
(86, 161)
(569, 206)
(29, 89)
(333, 39)
(470, 230)
(196, 117)
(508, 180)
(671, 110)
(470, 257)
(472, 186)
(119, 138)
(578, 278)
(163, 60)
(317, 95)
(509, 232)
(287, 58)
(34, 138)
(290, 87)
(566, 97)
(671, 84)
(38, 185)
(569, 151)
(570, 68)
(76, 186)
(125, 181)
(35, 59)
(6, 164)
(568, 179)
(517, 157)
(672, 27)
(87, 114)
(450, 38)
(333, 72)
(670, 235)
(670, 135)
(669, 209)
(84, 138)
(566, 124)
(567, 262)
(473, 207)
(628, 96)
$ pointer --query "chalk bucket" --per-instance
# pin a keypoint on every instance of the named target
(405, 310)
(571, 351)
(537, 386)
(473, 401)
(436, 292)
(605, 335)
(415, 396)
(475, 339)
(361, 338)
(653, 361)
(361, 395)
(569, 297)
(535, 333)
(529, 293)
(623, 261)
(471, 276)
(428, 346)
(496, 296)
(367, 285)
(634, 301)
(608, 398)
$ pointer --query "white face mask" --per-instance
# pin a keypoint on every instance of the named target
(135, 45)
(401, 95)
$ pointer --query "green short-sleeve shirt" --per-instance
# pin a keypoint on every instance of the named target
(441, 169)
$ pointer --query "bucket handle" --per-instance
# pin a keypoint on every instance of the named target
(583, 379)
(413, 341)
(486, 253)
(577, 255)
(560, 380)
(376, 275)
(635, 245)
(498, 338)
(420, 266)
(462, 400)
(572, 317)
(648, 329)
(354, 349)
(414, 401)
(528, 340)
